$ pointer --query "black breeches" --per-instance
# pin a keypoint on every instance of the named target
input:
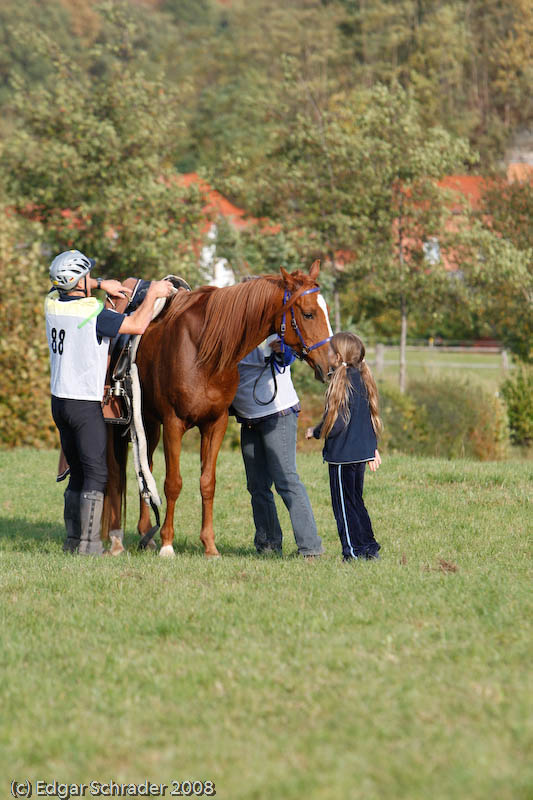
(83, 435)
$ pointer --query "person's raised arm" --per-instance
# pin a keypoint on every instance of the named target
(138, 321)
(109, 286)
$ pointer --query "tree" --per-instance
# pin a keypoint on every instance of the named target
(91, 159)
(496, 252)
(356, 181)
(309, 179)
(408, 266)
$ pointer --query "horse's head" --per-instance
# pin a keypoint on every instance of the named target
(305, 317)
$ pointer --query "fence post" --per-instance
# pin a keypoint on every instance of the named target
(380, 358)
(505, 361)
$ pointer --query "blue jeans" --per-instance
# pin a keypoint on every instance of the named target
(269, 454)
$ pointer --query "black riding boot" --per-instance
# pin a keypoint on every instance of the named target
(91, 507)
(71, 516)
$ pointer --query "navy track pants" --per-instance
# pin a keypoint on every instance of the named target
(353, 522)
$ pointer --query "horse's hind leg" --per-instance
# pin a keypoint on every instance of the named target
(212, 436)
(117, 454)
(153, 432)
(173, 430)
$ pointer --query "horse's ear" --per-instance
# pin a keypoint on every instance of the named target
(315, 269)
(287, 279)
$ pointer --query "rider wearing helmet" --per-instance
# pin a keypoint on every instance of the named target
(68, 268)
(79, 330)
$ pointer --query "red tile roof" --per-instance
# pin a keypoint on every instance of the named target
(471, 187)
(216, 203)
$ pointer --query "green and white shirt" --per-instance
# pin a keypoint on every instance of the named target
(78, 356)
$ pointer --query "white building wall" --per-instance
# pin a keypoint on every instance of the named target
(215, 270)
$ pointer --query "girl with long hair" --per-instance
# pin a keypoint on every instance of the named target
(350, 427)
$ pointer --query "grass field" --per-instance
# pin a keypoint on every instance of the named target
(483, 369)
(276, 678)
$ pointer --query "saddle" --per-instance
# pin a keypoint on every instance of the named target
(118, 391)
(116, 402)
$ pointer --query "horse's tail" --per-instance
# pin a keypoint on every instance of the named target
(114, 514)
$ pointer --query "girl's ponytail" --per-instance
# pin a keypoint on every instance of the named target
(337, 399)
(372, 391)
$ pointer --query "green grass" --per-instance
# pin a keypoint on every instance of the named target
(483, 369)
(276, 678)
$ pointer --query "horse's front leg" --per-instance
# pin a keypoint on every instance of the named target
(212, 436)
(173, 430)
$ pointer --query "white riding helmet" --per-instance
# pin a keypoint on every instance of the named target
(68, 268)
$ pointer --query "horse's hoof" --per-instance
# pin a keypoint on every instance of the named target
(150, 545)
(212, 555)
(167, 551)
(116, 546)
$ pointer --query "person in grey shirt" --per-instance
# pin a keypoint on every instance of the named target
(267, 406)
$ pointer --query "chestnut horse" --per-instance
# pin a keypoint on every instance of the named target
(187, 361)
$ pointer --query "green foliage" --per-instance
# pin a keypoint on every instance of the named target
(468, 62)
(331, 118)
(507, 209)
(517, 392)
(191, 12)
(24, 373)
(444, 418)
(375, 170)
(496, 284)
(91, 160)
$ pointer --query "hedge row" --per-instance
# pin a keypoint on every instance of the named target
(446, 419)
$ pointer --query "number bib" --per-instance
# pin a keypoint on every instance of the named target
(78, 361)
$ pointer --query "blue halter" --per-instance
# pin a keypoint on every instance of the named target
(283, 327)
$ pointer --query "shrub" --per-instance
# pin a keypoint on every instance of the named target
(517, 392)
(25, 417)
(444, 418)
(404, 429)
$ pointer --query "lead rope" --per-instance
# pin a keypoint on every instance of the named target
(271, 362)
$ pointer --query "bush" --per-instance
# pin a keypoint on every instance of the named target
(25, 417)
(446, 419)
(517, 392)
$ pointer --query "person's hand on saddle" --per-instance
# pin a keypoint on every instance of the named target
(162, 288)
(137, 322)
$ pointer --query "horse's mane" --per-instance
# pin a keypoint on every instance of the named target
(233, 318)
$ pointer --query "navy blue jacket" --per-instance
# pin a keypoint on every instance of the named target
(355, 441)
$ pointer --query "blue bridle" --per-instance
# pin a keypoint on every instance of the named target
(283, 327)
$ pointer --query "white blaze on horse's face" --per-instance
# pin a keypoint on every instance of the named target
(322, 303)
